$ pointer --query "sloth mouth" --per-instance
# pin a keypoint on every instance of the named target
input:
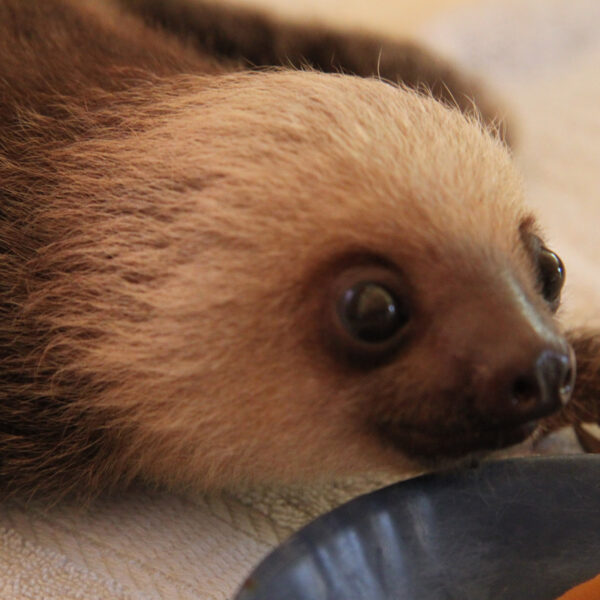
(429, 444)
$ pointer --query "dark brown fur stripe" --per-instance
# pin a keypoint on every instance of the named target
(255, 40)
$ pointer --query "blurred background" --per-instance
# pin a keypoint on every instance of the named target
(542, 57)
(394, 17)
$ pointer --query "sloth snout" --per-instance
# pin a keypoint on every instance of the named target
(535, 385)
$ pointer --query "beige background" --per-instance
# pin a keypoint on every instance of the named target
(389, 16)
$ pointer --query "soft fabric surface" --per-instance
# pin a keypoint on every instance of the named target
(542, 56)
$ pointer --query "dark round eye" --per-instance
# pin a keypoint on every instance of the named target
(371, 312)
(552, 275)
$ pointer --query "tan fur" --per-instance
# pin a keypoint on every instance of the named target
(169, 231)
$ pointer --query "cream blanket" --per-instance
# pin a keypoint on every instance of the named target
(543, 56)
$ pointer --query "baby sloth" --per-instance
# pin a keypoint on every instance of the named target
(212, 275)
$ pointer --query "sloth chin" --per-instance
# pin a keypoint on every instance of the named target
(435, 446)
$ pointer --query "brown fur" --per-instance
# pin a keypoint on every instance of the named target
(169, 228)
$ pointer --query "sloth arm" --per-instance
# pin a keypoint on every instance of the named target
(252, 39)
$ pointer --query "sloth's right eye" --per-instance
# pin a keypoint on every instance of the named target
(371, 312)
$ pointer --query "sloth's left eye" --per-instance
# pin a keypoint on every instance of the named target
(371, 312)
(551, 274)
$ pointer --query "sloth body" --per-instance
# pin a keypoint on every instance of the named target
(177, 232)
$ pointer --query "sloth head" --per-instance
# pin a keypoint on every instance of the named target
(281, 276)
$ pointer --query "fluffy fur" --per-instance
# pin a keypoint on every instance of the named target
(169, 226)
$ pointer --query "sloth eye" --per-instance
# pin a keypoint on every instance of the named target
(549, 266)
(371, 312)
(552, 275)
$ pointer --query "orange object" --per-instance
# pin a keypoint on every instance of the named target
(589, 590)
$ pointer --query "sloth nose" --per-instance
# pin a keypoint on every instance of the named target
(545, 388)
(534, 391)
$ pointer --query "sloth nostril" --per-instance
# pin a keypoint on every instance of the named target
(525, 393)
(566, 389)
(556, 374)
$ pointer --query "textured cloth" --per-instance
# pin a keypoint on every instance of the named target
(542, 56)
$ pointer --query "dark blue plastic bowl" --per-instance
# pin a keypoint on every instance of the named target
(522, 529)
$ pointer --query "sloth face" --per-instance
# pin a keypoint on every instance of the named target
(324, 275)
(493, 372)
